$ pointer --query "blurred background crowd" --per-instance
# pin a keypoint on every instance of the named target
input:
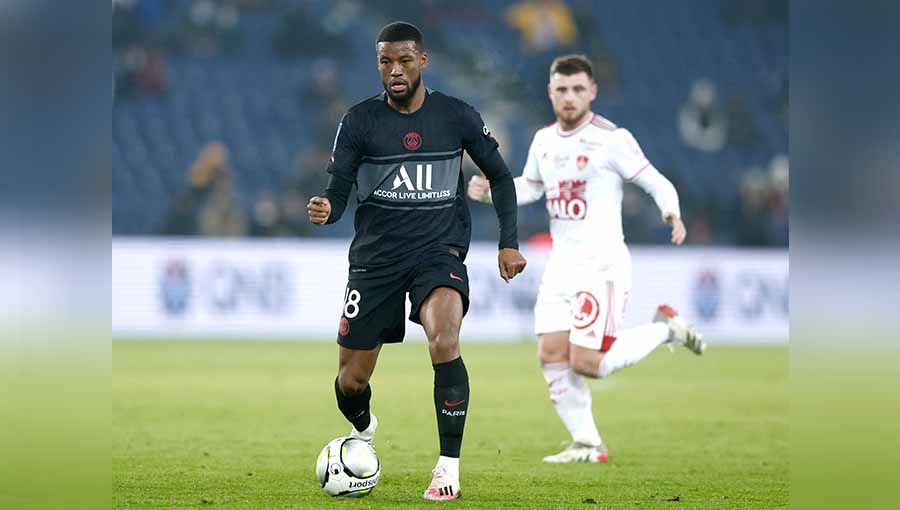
(225, 110)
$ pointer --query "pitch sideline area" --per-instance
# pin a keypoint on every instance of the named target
(239, 424)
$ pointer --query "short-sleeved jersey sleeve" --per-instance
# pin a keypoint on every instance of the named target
(346, 152)
(476, 138)
(531, 172)
(626, 156)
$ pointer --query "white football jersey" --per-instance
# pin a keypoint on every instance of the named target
(582, 172)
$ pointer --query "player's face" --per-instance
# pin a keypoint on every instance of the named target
(401, 64)
(571, 96)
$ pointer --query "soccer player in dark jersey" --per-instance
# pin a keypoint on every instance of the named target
(402, 150)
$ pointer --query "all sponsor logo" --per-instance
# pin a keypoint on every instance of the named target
(402, 178)
(413, 187)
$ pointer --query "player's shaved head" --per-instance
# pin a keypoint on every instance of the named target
(399, 31)
(401, 59)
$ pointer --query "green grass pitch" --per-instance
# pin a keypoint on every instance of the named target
(239, 425)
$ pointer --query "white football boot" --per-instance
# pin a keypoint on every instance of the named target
(444, 484)
(580, 452)
(680, 332)
(367, 435)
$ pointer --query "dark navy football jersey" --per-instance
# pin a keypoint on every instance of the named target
(407, 169)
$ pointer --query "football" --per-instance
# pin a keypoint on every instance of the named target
(348, 467)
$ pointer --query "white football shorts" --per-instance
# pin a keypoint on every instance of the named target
(587, 300)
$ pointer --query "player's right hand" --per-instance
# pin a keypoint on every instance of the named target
(511, 263)
(319, 209)
(479, 189)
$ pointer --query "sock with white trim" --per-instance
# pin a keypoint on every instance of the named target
(571, 397)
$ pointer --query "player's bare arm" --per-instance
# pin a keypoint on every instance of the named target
(319, 210)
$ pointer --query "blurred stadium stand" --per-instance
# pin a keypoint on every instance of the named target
(225, 110)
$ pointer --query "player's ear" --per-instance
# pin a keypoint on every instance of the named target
(593, 90)
(423, 60)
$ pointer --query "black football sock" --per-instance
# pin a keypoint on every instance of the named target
(451, 403)
(355, 407)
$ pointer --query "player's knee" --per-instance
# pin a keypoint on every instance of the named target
(551, 355)
(445, 343)
(585, 366)
(352, 383)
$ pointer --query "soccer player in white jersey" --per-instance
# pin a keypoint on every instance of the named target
(581, 163)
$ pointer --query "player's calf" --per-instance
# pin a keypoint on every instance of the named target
(354, 406)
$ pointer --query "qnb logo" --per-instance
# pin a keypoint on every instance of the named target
(423, 179)
(569, 202)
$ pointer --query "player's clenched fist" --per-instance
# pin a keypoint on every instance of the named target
(479, 189)
(319, 209)
(511, 263)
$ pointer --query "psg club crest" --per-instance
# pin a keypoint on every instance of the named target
(582, 161)
(345, 326)
(587, 309)
(412, 140)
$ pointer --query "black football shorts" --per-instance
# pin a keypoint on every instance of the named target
(374, 306)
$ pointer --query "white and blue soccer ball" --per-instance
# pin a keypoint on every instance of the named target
(348, 467)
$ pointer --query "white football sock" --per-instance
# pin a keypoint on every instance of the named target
(451, 463)
(631, 346)
(571, 397)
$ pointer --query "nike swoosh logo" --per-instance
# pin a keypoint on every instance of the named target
(453, 404)
(453, 276)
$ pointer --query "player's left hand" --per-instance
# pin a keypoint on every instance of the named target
(511, 263)
(678, 230)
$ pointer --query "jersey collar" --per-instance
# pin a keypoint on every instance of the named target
(581, 126)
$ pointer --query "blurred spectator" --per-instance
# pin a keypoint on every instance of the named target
(752, 215)
(140, 71)
(266, 217)
(737, 12)
(209, 206)
(779, 171)
(543, 24)
(495, 58)
(701, 121)
(593, 40)
(211, 28)
(742, 130)
(301, 34)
